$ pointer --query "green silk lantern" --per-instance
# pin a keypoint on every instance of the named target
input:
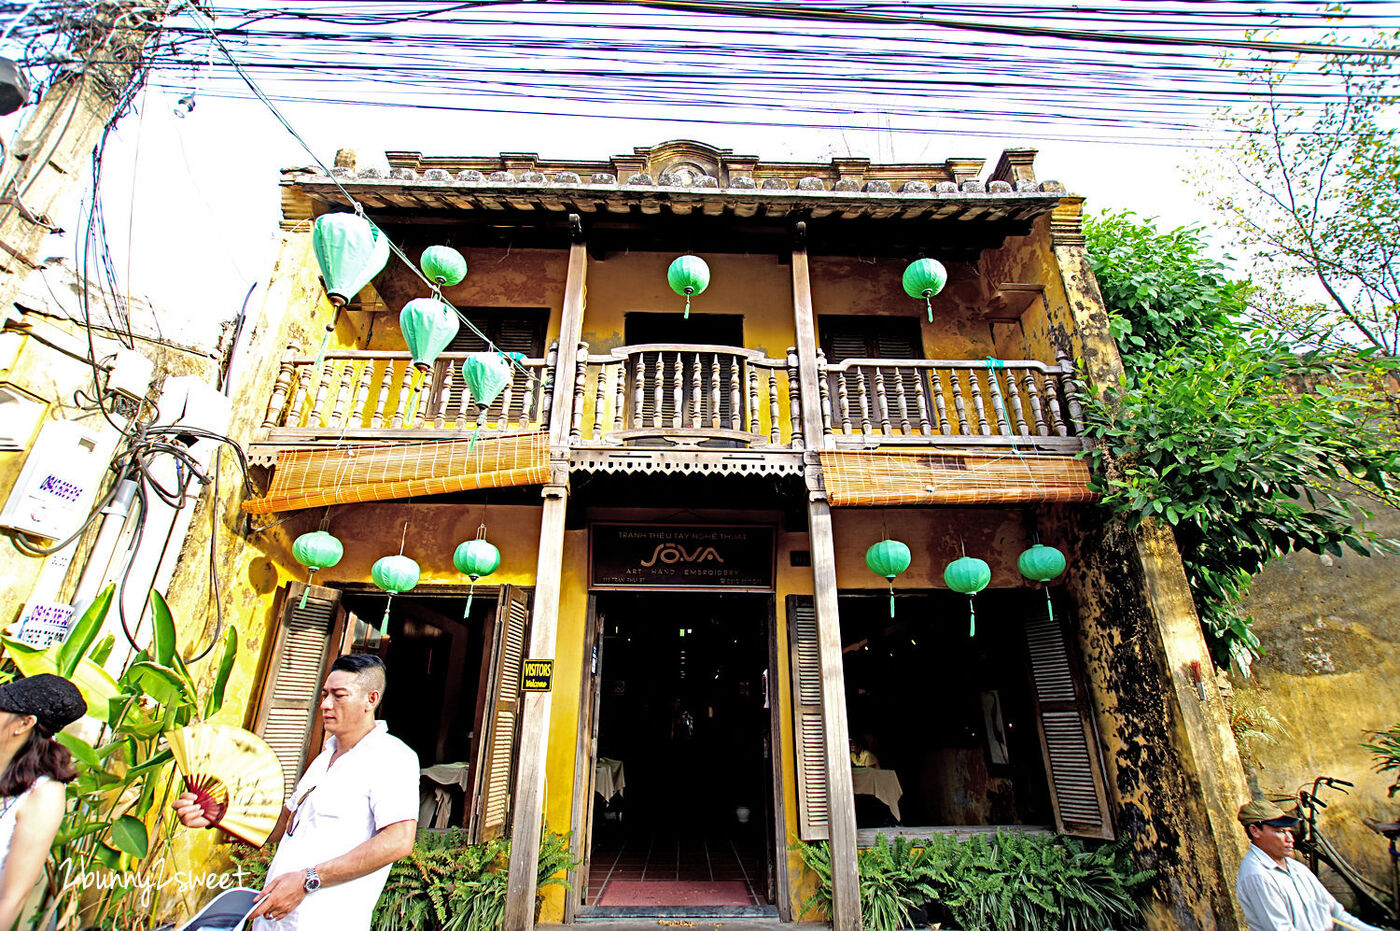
(888, 558)
(486, 375)
(688, 275)
(1042, 563)
(316, 550)
(394, 574)
(968, 575)
(443, 265)
(350, 251)
(924, 278)
(474, 559)
(428, 326)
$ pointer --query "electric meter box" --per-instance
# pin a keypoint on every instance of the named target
(59, 481)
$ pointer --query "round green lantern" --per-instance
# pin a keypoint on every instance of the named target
(924, 278)
(888, 558)
(444, 266)
(394, 574)
(474, 559)
(688, 275)
(1042, 563)
(316, 550)
(428, 326)
(968, 575)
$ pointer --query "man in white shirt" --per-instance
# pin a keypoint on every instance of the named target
(353, 813)
(1277, 892)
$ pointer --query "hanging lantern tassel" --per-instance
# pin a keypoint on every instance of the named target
(688, 293)
(301, 606)
(888, 558)
(968, 575)
(384, 624)
(1042, 563)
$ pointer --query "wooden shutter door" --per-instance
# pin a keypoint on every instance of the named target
(808, 729)
(1067, 736)
(292, 687)
(495, 771)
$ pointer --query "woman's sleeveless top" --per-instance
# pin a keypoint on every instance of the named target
(9, 813)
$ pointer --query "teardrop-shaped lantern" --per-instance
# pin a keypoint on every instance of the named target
(444, 266)
(888, 558)
(687, 276)
(474, 559)
(1042, 563)
(924, 278)
(394, 574)
(350, 250)
(968, 575)
(316, 550)
(486, 375)
(428, 326)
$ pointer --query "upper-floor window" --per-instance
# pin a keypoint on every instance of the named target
(510, 329)
(848, 337)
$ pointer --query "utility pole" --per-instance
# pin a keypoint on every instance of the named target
(53, 151)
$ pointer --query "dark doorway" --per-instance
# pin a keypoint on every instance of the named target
(682, 815)
(698, 329)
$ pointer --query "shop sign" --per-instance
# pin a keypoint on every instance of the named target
(536, 675)
(727, 557)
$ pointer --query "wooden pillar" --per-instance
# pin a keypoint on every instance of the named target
(845, 885)
(527, 807)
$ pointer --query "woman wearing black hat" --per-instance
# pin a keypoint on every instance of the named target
(33, 769)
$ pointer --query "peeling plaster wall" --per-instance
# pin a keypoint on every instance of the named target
(1330, 629)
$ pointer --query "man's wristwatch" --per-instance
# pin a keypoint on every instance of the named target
(312, 881)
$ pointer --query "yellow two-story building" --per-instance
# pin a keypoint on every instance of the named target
(683, 503)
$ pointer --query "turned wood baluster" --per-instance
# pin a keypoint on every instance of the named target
(1037, 413)
(357, 407)
(678, 393)
(715, 390)
(1052, 405)
(1016, 408)
(639, 389)
(775, 433)
(602, 389)
(403, 408)
(901, 397)
(343, 388)
(753, 418)
(507, 400)
(323, 387)
(465, 407)
(940, 403)
(1003, 423)
(580, 391)
(547, 378)
(882, 401)
(921, 399)
(444, 396)
(620, 400)
(843, 400)
(863, 394)
(794, 389)
(959, 404)
(736, 394)
(278, 402)
(1072, 394)
(386, 375)
(296, 413)
(692, 392)
(977, 405)
(659, 395)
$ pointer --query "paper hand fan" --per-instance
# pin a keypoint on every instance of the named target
(235, 775)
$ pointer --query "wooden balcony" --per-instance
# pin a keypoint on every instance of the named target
(951, 403)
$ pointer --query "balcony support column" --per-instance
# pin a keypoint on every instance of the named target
(845, 885)
(527, 808)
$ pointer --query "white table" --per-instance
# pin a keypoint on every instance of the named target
(435, 793)
(881, 783)
(609, 778)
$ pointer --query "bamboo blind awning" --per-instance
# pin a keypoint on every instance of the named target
(308, 478)
(861, 478)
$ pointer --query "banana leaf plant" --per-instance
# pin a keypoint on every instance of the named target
(118, 816)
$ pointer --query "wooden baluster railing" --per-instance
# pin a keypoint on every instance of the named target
(863, 394)
(506, 400)
(697, 391)
(619, 371)
(639, 388)
(922, 401)
(343, 387)
(277, 404)
(736, 396)
(843, 400)
(602, 389)
(715, 407)
(1017, 410)
(775, 432)
(882, 401)
(795, 395)
(1003, 424)
(959, 405)
(385, 375)
(361, 399)
(752, 419)
(978, 407)
(659, 392)
(1073, 407)
(580, 389)
(678, 392)
(444, 400)
(402, 409)
(1037, 412)
(901, 397)
(323, 387)
(547, 378)
(296, 411)
(1052, 405)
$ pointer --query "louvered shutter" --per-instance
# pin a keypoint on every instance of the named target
(496, 769)
(292, 688)
(808, 727)
(1067, 735)
(665, 369)
(515, 330)
(869, 338)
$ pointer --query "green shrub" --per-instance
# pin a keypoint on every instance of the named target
(1026, 882)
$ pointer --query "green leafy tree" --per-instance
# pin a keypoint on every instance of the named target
(1248, 448)
(1313, 191)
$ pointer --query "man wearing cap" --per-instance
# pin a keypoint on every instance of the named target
(1277, 892)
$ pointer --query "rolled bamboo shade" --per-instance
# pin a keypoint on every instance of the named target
(866, 478)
